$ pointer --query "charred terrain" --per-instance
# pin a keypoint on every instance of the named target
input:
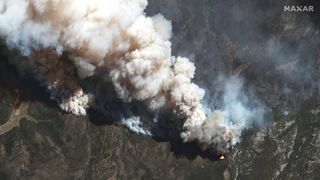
(276, 53)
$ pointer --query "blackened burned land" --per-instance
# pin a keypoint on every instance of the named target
(277, 53)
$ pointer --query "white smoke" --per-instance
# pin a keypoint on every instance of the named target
(135, 125)
(240, 110)
(114, 38)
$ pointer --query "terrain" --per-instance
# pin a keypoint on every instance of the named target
(276, 53)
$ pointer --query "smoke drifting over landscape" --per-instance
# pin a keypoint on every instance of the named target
(115, 40)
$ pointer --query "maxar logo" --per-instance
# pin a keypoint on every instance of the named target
(298, 9)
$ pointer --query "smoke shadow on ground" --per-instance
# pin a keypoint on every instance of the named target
(192, 150)
(98, 118)
(27, 87)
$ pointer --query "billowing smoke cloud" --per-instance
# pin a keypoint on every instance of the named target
(114, 39)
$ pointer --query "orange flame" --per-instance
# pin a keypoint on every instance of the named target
(222, 157)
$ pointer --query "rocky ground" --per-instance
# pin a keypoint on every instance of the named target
(276, 53)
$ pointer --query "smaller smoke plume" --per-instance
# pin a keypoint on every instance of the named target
(239, 111)
(134, 124)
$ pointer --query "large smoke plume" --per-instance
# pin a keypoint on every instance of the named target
(114, 39)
